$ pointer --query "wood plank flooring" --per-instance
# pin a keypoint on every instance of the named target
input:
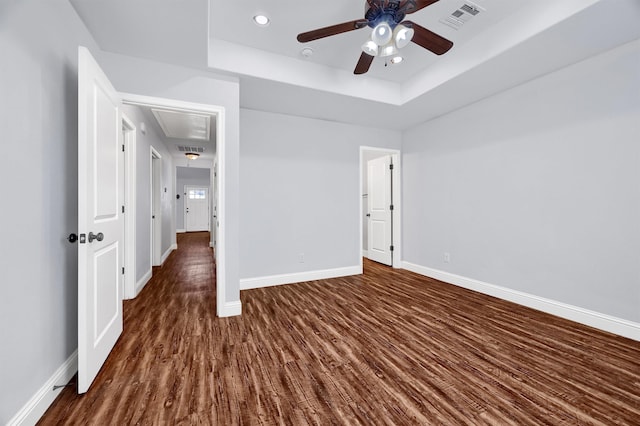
(388, 347)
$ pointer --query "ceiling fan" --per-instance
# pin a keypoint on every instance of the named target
(390, 32)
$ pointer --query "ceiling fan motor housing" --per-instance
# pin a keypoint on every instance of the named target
(392, 14)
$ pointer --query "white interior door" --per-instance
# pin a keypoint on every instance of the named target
(196, 208)
(156, 208)
(380, 210)
(100, 218)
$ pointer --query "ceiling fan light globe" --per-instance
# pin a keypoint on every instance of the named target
(370, 48)
(402, 36)
(382, 34)
(388, 50)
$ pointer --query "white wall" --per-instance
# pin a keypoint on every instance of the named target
(300, 192)
(189, 176)
(536, 189)
(144, 142)
(38, 122)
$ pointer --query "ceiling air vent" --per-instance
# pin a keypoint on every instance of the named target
(462, 15)
(183, 148)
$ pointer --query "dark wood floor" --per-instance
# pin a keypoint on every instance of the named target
(389, 347)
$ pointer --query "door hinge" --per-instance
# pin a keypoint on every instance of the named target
(122, 147)
(123, 270)
(122, 209)
(391, 207)
(390, 166)
(391, 248)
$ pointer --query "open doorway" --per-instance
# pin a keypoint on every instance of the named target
(193, 199)
(218, 191)
(380, 205)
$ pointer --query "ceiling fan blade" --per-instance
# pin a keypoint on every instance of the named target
(332, 30)
(428, 39)
(363, 64)
(414, 6)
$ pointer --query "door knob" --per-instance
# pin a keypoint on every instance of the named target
(99, 236)
(72, 238)
(368, 215)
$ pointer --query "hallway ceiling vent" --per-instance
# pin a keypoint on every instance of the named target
(198, 149)
(462, 15)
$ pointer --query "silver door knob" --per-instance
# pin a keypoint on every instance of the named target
(99, 236)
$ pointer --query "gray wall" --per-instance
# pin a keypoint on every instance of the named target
(144, 142)
(300, 193)
(536, 189)
(38, 121)
(189, 176)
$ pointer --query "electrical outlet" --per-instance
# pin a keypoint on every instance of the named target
(447, 257)
(301, 258)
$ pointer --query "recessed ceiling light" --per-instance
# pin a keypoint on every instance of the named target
(307, 52)
(261, 20)
(396, 59)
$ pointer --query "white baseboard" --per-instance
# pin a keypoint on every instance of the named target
(594, 319)
(166, 254)
(231, 309)
(180, 231)
(143, 281)
(298, 277)
(31, 412)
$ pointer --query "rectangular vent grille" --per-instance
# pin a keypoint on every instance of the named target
(461, 16)
(182, 148)
(469, 9)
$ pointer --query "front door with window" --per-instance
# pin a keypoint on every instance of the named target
(196, 209)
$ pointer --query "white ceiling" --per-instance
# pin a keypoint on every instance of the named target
(181, 127)
(231, 21)
(510, 42)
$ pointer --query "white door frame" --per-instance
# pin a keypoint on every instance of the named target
(213, 214)
(397, 202)
(219, 112)
(130, 207)
(156, 207)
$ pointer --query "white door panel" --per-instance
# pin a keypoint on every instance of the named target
(100, 219)
(379, 190)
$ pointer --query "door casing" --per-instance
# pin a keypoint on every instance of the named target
(220, 129)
